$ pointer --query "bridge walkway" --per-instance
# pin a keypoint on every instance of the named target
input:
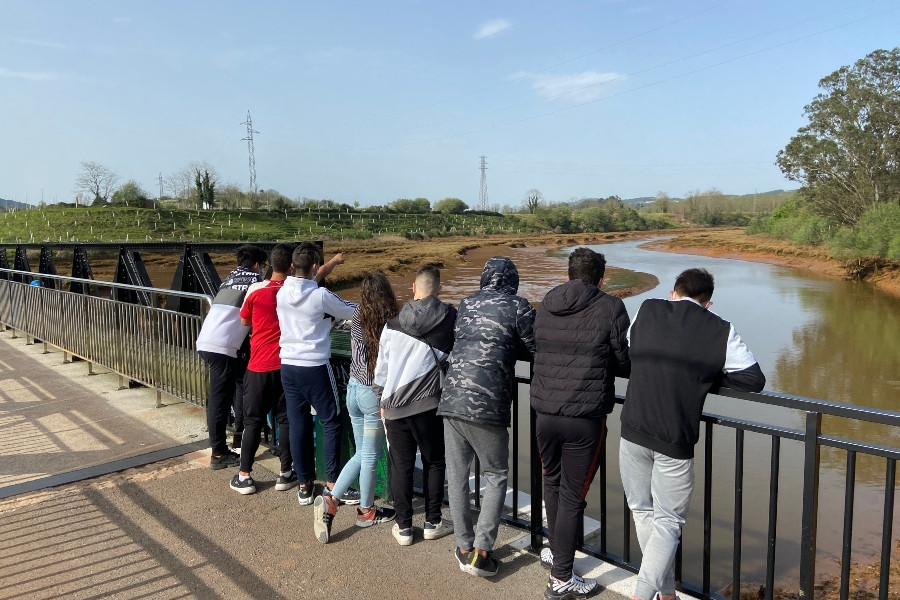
(103, 495)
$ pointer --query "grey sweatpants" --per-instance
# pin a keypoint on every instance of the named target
(463, 440)
(659, 490)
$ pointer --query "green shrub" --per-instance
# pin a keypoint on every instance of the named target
(811, 230)
(842, 243)
(877, 228)
(893, 251)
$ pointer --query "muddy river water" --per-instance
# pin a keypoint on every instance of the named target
(813, 336)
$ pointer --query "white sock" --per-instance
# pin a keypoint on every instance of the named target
(243, 478)
(288, 474)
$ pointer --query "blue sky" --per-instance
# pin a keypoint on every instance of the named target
(371, 101)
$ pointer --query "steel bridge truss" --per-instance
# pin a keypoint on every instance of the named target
(195, 272)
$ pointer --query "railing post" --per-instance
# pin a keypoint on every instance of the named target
(810, 504)
(890, 481)
(537, 480)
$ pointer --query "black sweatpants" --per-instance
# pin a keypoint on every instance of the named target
(570, 454)
(425, 430)
(263, 393)
(225, 373)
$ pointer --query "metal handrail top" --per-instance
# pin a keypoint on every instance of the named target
(110, 284)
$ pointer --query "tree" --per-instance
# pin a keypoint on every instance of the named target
(205, 192)
(181, 183)
(661, 203)
(848, 156)
(97, 180)
(594, 218)
(453, 206)
(533, 199)
(131, 194)
(405, 205)
(231, 197)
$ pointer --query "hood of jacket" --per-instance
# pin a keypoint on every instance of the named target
(570, 298)
(297, 289)
(500, 274)
(418, 317)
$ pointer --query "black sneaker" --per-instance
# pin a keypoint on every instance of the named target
(226, 461)
(283, 484)
(322, 519)
(351, 496)
(476, 564)
(376, 517)
(246, 486)
(575, 588)
(305, 493)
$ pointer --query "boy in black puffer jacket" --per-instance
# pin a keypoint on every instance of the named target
(582, 347)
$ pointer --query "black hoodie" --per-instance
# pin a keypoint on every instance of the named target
(580, 335)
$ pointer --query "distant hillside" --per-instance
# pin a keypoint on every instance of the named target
(639, 201)
(12, 204)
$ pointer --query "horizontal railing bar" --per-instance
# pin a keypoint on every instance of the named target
(849, 411)
(837, 409)
(214, 247)
(859, 447)
(110, 284)
(773, 430)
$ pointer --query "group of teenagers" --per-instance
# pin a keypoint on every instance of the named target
(438, 381)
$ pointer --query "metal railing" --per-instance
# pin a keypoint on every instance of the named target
(713, 465)
(147, 344)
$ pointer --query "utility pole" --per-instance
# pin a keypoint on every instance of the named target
(249, 140)
(482, 194)
(159, 197)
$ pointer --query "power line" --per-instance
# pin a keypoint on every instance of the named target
(640, 88)
(621, 77)
(549, 68)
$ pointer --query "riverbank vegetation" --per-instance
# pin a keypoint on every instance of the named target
(847, 158)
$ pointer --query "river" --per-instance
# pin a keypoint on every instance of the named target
(813, 336)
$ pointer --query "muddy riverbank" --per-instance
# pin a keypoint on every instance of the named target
(399, 257)
(461, 259)
(735, 243)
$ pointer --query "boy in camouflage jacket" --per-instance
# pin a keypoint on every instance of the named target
(494, 327)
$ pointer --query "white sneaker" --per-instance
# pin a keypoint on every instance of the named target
(404, 537)
(574, 589)
(442, 528)
(547, 557)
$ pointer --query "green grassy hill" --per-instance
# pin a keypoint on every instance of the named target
(120, 224)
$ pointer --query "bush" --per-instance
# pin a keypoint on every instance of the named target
(877, 229)
(842, 243)
(877, 233)
(811, 231)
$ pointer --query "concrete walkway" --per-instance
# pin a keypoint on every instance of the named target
(85, 514)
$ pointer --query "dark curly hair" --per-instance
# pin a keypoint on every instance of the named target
(377, 306)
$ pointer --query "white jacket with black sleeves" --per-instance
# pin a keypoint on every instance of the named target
(407, 372)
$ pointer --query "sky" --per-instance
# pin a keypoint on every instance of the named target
(366, 102)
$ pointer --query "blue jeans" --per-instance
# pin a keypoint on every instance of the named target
(659, 490)
(368, 434)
